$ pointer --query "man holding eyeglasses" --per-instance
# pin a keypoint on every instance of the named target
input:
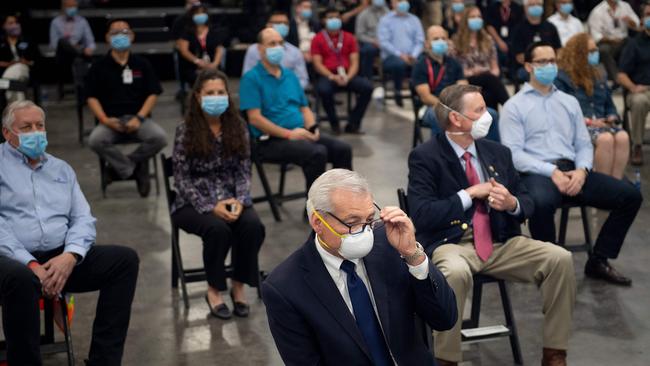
(122, 89)
(349, 295)
(544, 127)
(467, 204)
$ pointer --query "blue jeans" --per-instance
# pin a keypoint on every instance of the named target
(367, 54)
(397, 68)
(429, 120)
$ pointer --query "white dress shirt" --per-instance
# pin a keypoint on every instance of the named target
(305, 35)
(566, 27)
(602, 22)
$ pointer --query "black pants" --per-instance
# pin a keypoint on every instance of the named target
(113, 270)
(610, 52)
(600, 191)
(245, 236)
(494, 92)
(310, 156)
(361, 86)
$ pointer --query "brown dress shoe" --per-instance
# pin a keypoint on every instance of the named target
(554, 357)
(445, 362)
(637, 155)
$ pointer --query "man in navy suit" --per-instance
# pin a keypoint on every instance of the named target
(467, 204)
(350, 294)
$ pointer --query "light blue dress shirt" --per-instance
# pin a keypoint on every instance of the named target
(541, 129)
(400, 34)
(41, 208)
(80, 32)
(292, 60)
(465, 199)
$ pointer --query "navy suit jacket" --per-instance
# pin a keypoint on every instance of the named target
(435, 177)
(312, 325)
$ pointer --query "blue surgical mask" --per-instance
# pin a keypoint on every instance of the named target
(566, 8)
(200, 19)
(457, 7)
(546, 74)
(403, 6)
(439, 47)
(120, 42)
(333, 24)
(646, 22)
(475, 24)
(214, 105)
(306, 13)
(281, 28)
(535, 11)
(593, 58)
(275, 54)
(71, 11)
(32, 144)
(379, 2)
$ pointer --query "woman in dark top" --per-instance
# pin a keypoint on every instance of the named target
(581, 77)
(212, 175)
(17, 55)
(201, 48)
(453, 16)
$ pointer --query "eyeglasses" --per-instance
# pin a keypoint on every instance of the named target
(120, 31)
(358, 228)
(544, 61)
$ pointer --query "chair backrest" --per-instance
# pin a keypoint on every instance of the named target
(416, 101)
(403, 202)
(168, 172)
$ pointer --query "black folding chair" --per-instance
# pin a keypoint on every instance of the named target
(564, 222)
(79, 71)
(323, 117)
(49, 345)
(418, 123)
(179, 272)
(473, 333)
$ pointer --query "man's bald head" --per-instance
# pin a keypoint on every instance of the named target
(436, 32)
(267, 36)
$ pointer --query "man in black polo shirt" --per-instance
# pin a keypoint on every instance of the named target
(532, 29)
(122, 89)
(433, 71)
(634, 75)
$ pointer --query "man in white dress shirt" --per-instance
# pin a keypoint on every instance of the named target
(567, 25)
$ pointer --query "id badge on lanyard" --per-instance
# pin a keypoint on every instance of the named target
(127, 76)
(339, 46)
(433, 80)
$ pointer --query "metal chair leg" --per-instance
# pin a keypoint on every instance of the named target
(564, 222)
(179, 266)
(66, 330)
(267, 191)
(586, 229)
(510, 323)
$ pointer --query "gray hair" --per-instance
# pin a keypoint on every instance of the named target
(451, 99)
(320, 193)
(9, 114)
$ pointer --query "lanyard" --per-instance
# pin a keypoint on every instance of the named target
(505, 13)
(433, 85)
(339, 45)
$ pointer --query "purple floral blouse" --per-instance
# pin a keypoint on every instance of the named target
(203, 182)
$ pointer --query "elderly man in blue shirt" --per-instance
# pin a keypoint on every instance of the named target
(401, 40)
(545, 130)
(47, 237)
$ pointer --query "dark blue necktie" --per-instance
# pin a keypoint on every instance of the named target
(365, 316)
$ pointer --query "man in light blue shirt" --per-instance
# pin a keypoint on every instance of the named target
(401, 39)
(293, 59)
(47, 236)
(545, 130)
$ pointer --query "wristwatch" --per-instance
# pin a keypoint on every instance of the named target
(419, 250)
(140, 118)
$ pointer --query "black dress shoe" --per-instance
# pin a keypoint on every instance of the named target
(220, 311)
(353, 129)
(336, 130)
(600, 269)
(141, 175)
(241, 309)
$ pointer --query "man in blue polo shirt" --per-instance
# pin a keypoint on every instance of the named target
(276, 107)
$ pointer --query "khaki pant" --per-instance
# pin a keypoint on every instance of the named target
(520, 259)
(639, 107)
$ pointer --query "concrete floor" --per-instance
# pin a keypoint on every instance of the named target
(611, 324)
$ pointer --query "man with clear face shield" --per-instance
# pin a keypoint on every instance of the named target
(467, 204)
(349, 295)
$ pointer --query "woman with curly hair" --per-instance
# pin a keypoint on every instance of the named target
(475, 50)
(580, 76)
(212, 175)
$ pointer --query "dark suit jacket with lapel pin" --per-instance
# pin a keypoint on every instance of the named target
(312, 325)
(435, 177)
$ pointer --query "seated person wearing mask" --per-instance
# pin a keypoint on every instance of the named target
(122, 89)
(335, 56)
(433, 71)
(366, 32)
(350, 294)
(545, 129)
(279, 114)
(302, 28)
(467, 204)
(566, 24)
(292, 57)
(18, 56)
(47, 245)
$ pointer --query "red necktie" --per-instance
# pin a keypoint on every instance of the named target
(481, 219)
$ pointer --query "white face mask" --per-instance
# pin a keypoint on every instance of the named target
(480, 127)
(354, 246)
